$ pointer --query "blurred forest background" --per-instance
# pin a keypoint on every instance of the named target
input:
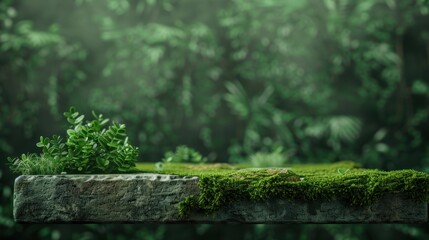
(312, 80)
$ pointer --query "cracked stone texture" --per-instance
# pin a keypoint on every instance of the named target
(155, 198)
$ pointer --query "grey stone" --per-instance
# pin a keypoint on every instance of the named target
(155, 198)
(100, 198)
(390, 209)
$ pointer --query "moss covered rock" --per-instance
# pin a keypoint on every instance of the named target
(223, 184)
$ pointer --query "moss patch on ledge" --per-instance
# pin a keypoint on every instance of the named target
(222, 184)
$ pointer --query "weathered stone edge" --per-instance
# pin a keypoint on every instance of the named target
(89, 199)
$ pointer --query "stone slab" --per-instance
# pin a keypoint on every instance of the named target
(141, 198)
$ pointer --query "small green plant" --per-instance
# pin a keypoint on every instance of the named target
(89, 147)
(275, 158)
(342, 171)
(32, 164)
(183, 154)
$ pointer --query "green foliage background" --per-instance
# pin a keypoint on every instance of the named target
(324, 80)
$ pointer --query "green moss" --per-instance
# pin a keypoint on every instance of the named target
(221, 184)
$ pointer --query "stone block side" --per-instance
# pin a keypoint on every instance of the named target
(155, 197)
(389, 209)
(101, 198)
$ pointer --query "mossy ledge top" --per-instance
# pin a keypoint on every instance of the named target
(346, 181)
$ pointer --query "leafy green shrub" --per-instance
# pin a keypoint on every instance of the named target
(89, 147)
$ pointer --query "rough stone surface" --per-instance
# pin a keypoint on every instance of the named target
(100, 198)
(155, 198)
(390, 209)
